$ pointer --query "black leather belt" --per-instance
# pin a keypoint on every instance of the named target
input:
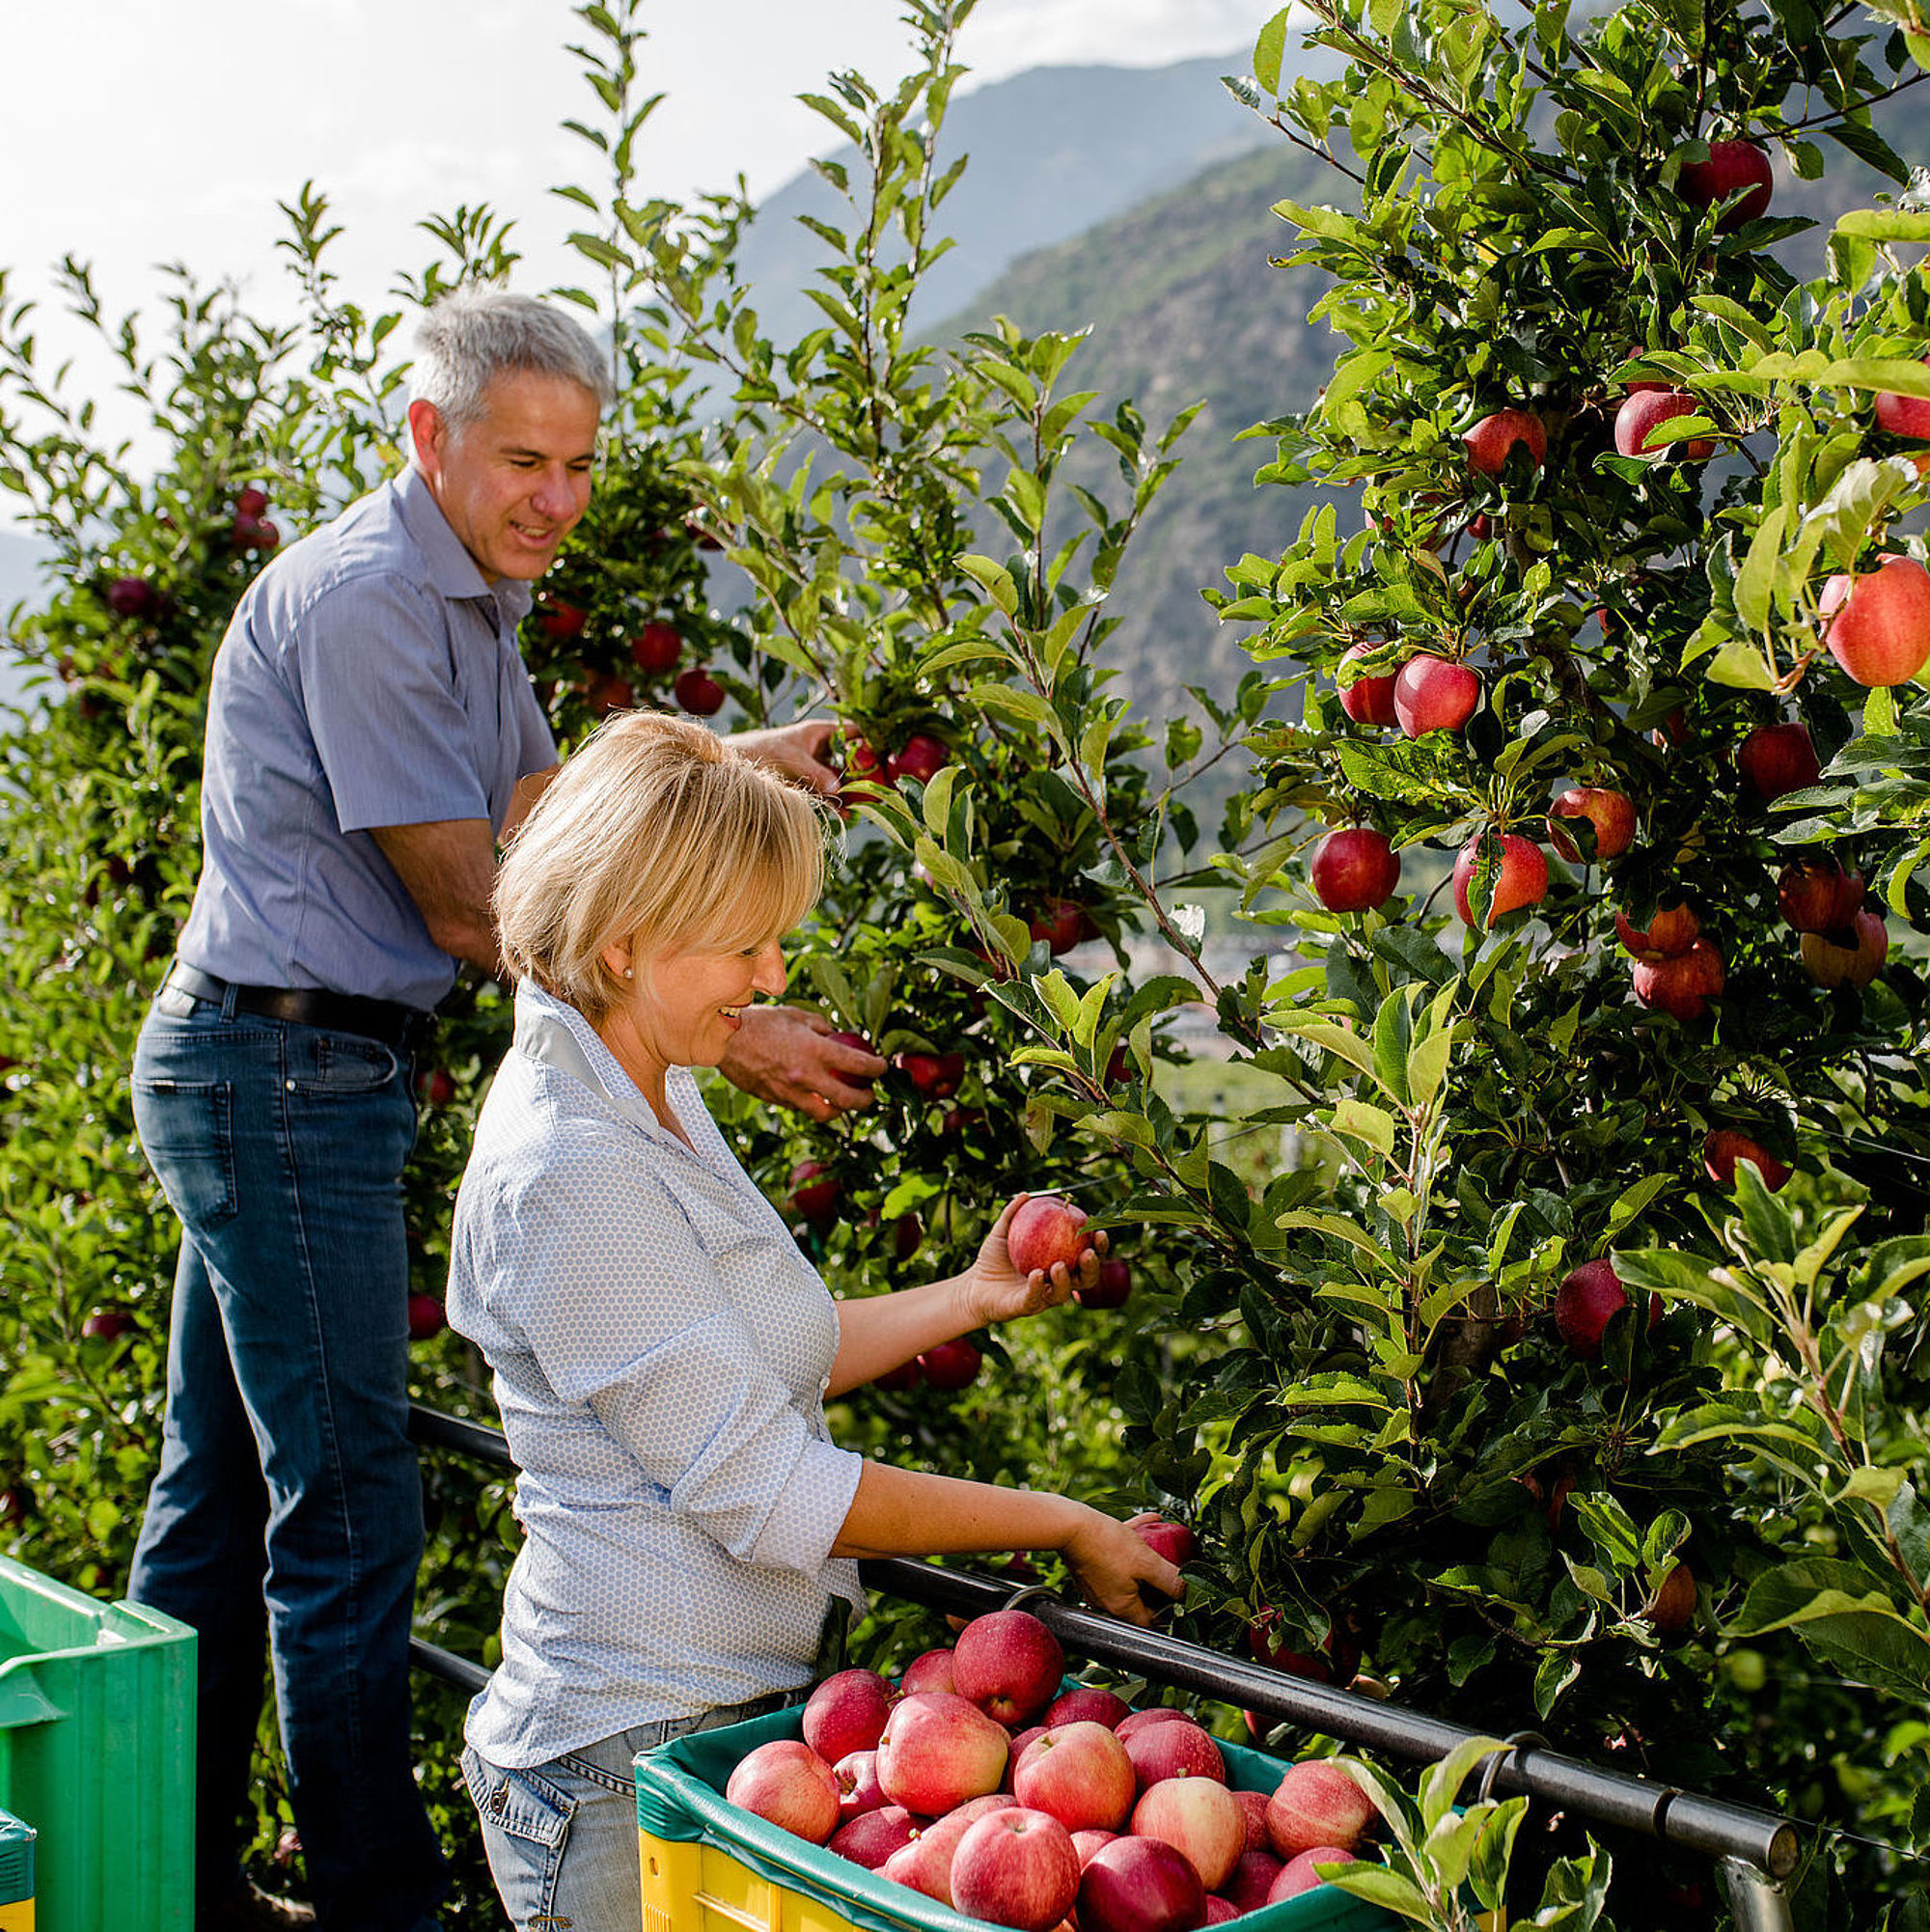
(386, 1020)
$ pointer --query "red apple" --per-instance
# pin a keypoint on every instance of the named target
(1087, 1704)
(1140, 1884)
(1490, 440)
(1080, 1773)
(1061, 923)
(1355, 869)
(921, 756)
(1045, 1230)
(870, 1837)
(928, 1671)
(1733, 168)
(1112, 1288)
(1610, 812)
(250, 501)
(936, 1075)
(814, 1192)
(130, 598)
(1253, 1809)
(1134, 1722)
(1588, 1297)
(906, 1375)
(698, 692)
(1009, 1664)
(1175, 1541)
(560, 622)
(1198, 1816)
(1520, 877)
(786, 1783)
(426, 1316)
(656, 649)
(604, 692)
(1817, 895)
(1299, 1874)
(253, 533)
(1433, 694)
(1254, 1872)
(436, 1085)
(846, 1713)
(1015, 1867)
(858, 1788)
(926, 1864)
(1086, 1843)
(1673, 1603)
(1877, 622)
(938, 1749)
(1672, 932)
(1367, 701)
(1316, 1804)
(1903, 415)
(1724, 1146)
(1775, 759)
(1682, 985)
(952, 1365)
(1176, 1749)
(1638, 417)
(111, 1324)
(1832, 964)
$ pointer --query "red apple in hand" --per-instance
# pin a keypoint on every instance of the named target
(1490, 440)
(1433, 694)
(1610, 812)
(1520, 877)
(1355, 869)
(1367, 701)
(1009, 1664)
(1045, 1230)
(786, 1783)
(1015, 1867)
(1140, 1884)
(1877, 624)
(1733, 168)
(1175, 1541)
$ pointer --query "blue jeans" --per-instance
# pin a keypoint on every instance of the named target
(562, 1838)
(288, 1508)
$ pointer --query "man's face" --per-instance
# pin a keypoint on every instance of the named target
(514, 482)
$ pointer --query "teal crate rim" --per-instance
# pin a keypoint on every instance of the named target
(16, 1860)
(681, 1798)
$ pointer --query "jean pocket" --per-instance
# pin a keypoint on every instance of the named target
(518, 1803)
(343, 1066)
(187, 1131)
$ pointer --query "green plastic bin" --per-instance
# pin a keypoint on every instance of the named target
(16, 1860)
(748, 1871)
(97, 1751)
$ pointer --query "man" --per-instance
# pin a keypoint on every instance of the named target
(372, 738)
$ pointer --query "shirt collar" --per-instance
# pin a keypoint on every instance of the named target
(452, 572)
(554, 1033)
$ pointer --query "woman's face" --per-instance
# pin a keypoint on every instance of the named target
(683, 1007)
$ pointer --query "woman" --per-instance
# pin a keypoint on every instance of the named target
(661, 1349)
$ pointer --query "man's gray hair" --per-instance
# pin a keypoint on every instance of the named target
(473, 335)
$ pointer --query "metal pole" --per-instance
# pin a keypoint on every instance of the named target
(1757, 1905)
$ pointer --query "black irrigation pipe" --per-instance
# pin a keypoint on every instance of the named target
(1765, 1843)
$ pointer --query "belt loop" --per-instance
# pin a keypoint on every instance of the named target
(230, 993)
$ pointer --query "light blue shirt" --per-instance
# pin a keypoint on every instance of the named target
(661, 1352)
(369, 678)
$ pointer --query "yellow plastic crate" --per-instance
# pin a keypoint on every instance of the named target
(709, 1867)
(17, 1916)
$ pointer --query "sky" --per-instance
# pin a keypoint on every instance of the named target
(146, 131)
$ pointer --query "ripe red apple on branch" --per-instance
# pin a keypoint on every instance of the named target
(952, 1365)
(1733, 168)
(1644, 412)
(1670, 933)
(1724, 1147)
(1355, 869)
(1904, 415)
(1585, 1303)
(922, 756)
(1818, 895)
(1831, 962)
(656, 649)
(1434, 694)
(1112, 1289)
(1609, 812)
(814, 1192)
(698, 692)
(1681, 985)
(1520, 877)
(1491, 439)
(1877, 622)
(1367, 701)
(1776, 759)
(936, 1076)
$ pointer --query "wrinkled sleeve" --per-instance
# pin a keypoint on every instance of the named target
(601, 1274)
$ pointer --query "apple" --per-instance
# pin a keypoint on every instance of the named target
(952, 1365)
(921, 756)
(1877, 622)
(1253, 1809)
(814, 1192)
(1175, 1541)
(1817, 895)
(1112, 1289)
(130, 598)
(1044, 1231)
(1140, 1885)
(1086, 1843)
(1367, 701)
(1355, 869)
(846, 1713)
(1832, 964)
(1434, 694)
(253, 533)
(870, 1837)
(1683, 984)
(907, 1236)
(1733, 167)
(1903, 415)
(1087, 1703)
(426, 1316)
(858, 1788)
(1316, 1802)
(656, 649)
(1642, 412)
(926, 1864)
(698, 692)
(1198, 1816)
(1673, 1603)
(1724, 1147)
(250, 501)
(788, 1783)
(1015, 1867)
(605, 691)
(928, 1671)
(111, 1324)
(936, 1075)
(560, 622)
(1609, 812)
(906, 1375)
(937, 1750)
(1584, 1303)
(1520, 877)
(1179, 1748)
(1672, 932)
(1022, 1741)
(436, 1085)
(1254, 1872)
(1080, 1773)
(1299, 1874)
(1135, 1722)
(1009, 1664)
(1061, 924)
(1490, 440)
(1775, 759)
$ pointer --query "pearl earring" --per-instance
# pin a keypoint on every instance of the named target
(628, 973)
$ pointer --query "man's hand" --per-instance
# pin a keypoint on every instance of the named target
(786, 1055)
(797, 751)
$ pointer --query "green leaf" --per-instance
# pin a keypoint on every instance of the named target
(1360, 1121)
(1757, 575)
(1742, 665)
(994, 580)
(1270, 50)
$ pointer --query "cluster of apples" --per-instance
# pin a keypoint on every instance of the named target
(980, 1781)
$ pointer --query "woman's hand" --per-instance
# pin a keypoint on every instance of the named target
(1112, 1562)
(999, 1292)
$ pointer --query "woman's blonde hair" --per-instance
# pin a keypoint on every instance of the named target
(654, 832)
